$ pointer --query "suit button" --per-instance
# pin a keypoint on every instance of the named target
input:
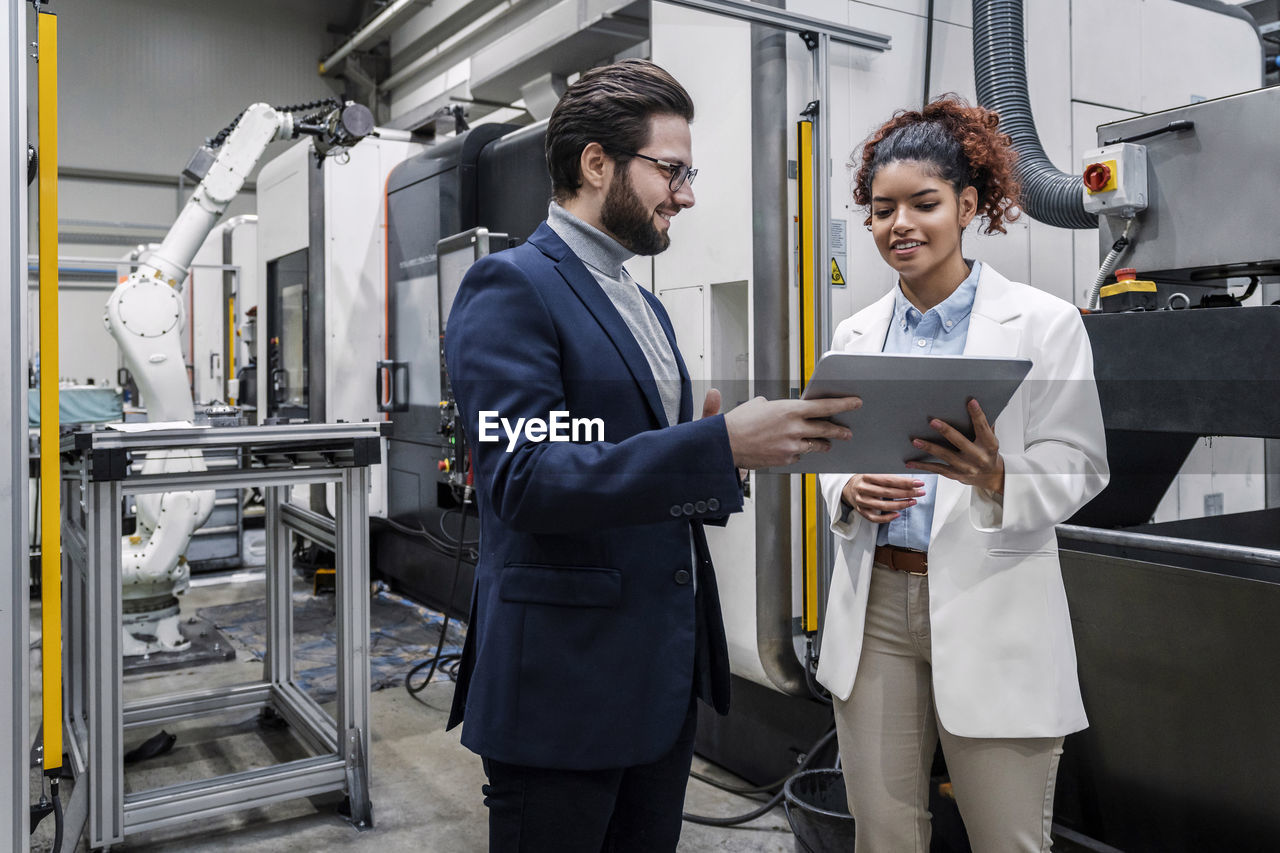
(713, 504)
(700, 506)
(675, 511)
(682, 577)
(688, 509)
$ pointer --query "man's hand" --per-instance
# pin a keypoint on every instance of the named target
(766, 433)
(881, 497)
(711, 405)
(974, 463)
(711, 408)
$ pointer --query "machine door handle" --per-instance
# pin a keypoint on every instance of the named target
(393, 394)
(278, 385)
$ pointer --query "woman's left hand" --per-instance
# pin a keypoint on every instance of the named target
(974, 463)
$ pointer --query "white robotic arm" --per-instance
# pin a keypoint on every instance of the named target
(145, 313)
(146, 316)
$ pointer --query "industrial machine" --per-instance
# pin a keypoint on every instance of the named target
(146, 316)
(1173, 620)
(318, 315)
(478, 192)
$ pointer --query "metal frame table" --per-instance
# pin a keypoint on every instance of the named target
(96, 476)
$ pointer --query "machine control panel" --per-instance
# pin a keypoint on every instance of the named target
(455, 255)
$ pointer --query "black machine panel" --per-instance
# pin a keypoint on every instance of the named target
(514, 187)
(1172, 639)
(1181, 687)
(493, 177)
(1166, 378)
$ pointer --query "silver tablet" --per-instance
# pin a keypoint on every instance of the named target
(900, 395)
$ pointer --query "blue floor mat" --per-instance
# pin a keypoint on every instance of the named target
(402, 633)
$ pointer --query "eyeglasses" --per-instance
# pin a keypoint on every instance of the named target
(679, 171)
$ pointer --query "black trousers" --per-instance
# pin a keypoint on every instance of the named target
(620, 810)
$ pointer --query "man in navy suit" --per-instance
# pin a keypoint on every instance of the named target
(595, 621)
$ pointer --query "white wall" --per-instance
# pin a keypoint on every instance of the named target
(141, 85)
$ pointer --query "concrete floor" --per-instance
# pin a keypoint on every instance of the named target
(424, 785)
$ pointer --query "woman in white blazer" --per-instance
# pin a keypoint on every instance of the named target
(947, 616)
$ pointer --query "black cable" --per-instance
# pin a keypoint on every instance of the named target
(1249, 291)
(810, 668)
(772, 786)
(438, 658)
(221, 136)
(739, 819)
(768, 806)
(928, 56)
(57, 815)
(443, 548)
(445, 530)
(1172, 127)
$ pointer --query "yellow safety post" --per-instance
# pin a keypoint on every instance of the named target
(50, 479)
(809, 281)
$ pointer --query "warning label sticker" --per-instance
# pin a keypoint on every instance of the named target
(836, 277)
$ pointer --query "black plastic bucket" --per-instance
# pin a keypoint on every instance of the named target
(819, 812)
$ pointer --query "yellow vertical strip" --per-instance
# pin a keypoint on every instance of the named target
(231, 349)
(50, 482)
(808, 358)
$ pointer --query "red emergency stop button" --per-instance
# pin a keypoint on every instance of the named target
(443, 465)
(1097, 176)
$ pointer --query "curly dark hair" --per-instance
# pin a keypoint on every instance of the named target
(610, 105)
(961, 144)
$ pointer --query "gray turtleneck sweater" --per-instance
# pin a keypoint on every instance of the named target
(603, 257)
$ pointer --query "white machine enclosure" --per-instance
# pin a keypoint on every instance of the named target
(351, 205)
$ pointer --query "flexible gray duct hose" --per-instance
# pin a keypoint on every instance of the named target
(1000, 69)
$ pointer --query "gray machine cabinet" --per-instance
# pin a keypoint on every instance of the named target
(1213, 211)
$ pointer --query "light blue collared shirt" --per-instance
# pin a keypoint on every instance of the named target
(941, 330)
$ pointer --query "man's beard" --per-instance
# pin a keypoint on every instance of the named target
(625, 217)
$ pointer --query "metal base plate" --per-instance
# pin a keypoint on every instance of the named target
(208, 645)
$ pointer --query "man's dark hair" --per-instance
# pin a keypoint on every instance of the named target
(610, 105)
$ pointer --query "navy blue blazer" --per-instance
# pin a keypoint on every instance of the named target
(586, 636)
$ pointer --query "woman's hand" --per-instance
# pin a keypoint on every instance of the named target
(881, 497)
(974, 463)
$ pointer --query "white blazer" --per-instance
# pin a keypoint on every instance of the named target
(1004, 661)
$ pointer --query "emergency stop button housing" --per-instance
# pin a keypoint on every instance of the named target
(1115, 179)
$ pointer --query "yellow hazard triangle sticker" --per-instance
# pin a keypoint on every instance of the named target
(836, 277)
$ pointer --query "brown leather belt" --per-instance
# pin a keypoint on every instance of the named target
(903, 559)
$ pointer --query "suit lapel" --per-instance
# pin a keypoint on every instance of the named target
(872, 325)
(575, 274)
(990, 334)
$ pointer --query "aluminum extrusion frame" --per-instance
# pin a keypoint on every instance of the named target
(97, 714)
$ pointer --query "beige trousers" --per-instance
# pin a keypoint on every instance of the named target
(888, 731)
